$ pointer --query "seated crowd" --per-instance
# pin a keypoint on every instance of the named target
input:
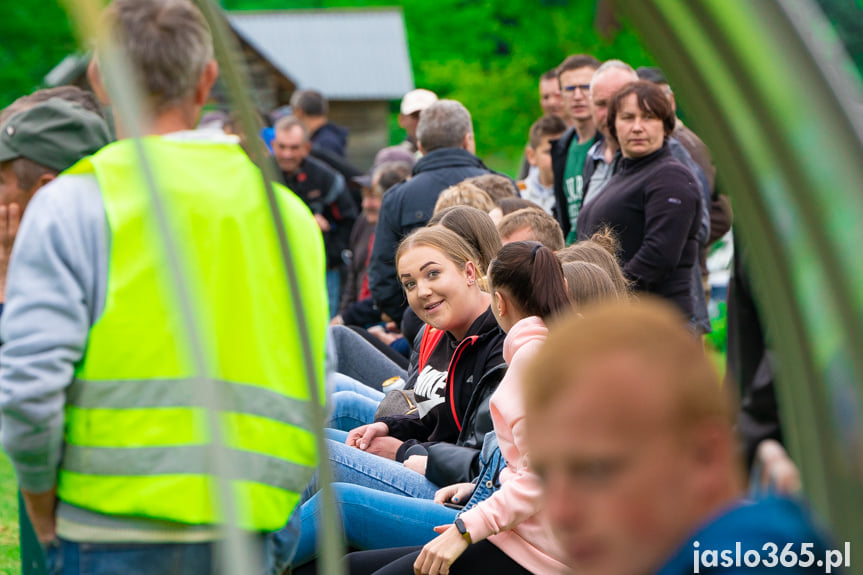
(518, 383)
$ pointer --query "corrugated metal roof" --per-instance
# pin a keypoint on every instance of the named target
(346, 55)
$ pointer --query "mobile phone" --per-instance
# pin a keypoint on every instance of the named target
(453, 505)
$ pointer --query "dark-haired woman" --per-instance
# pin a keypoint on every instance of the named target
(653, 202)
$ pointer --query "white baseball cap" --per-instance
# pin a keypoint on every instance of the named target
(417, 101)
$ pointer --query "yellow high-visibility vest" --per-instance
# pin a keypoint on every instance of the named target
(136, 435)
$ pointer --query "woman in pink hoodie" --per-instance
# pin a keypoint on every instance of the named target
(506, 533)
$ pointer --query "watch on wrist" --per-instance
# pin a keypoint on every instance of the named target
(459, 524)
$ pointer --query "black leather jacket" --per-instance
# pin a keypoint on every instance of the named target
(450, 463)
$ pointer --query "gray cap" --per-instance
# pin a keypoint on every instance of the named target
(55, 133)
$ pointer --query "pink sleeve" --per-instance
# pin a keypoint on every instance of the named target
(520, 494)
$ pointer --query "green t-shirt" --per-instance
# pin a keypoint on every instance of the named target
(573, 183)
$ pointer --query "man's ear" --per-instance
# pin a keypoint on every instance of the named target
(94, 76)
(205, 83)
(531, 155)
(420, 148)
(469, 143)
(711, 453)
(43, 180)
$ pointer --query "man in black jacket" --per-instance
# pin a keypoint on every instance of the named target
(323, 190)
(445, 134)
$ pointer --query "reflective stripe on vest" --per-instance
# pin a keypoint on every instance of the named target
(132, 394)
(137, 434)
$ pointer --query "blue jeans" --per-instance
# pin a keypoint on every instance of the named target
(71, 558)
(281, 545)
(372, 519)
(342, 382)
(350, 465)
(353, 404)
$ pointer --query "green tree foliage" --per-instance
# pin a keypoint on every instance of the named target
(35, 37)
(489, 55)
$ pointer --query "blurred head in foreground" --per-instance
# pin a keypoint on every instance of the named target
(631, 433)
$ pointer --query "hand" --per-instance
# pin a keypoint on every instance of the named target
(10, 218)
(417, 463)
(392, 327)
(441, 552)
(385, 447)
(322, 223)
(383, 335)
(40, 509)
(777, 471)
(337, 320)
(456, 493)
(361, 437)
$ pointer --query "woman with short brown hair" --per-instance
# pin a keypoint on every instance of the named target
(653, 203)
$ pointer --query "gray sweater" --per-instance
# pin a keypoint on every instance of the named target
(56, 290)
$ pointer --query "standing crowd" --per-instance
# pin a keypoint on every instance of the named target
(515, 380)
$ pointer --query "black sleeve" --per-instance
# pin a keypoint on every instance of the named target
(361, 313)
(407, 427)
(449, 463)
(383, 280)
(671, 203)
(749, 362)
(341, 213)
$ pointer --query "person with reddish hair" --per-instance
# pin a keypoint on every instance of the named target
(653, 202)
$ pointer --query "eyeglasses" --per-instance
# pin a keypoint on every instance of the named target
(585, 88)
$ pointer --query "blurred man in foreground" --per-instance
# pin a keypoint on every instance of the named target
(631, 433)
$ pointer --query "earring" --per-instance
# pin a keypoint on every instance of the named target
(499, 311)
(470, 282)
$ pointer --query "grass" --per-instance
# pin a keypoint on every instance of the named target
(10, 551)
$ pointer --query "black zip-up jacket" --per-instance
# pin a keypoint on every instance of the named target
(653, 204)
(331, 137)
(559, 152)
(408, 206)
(463, 419)
(324, 191)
